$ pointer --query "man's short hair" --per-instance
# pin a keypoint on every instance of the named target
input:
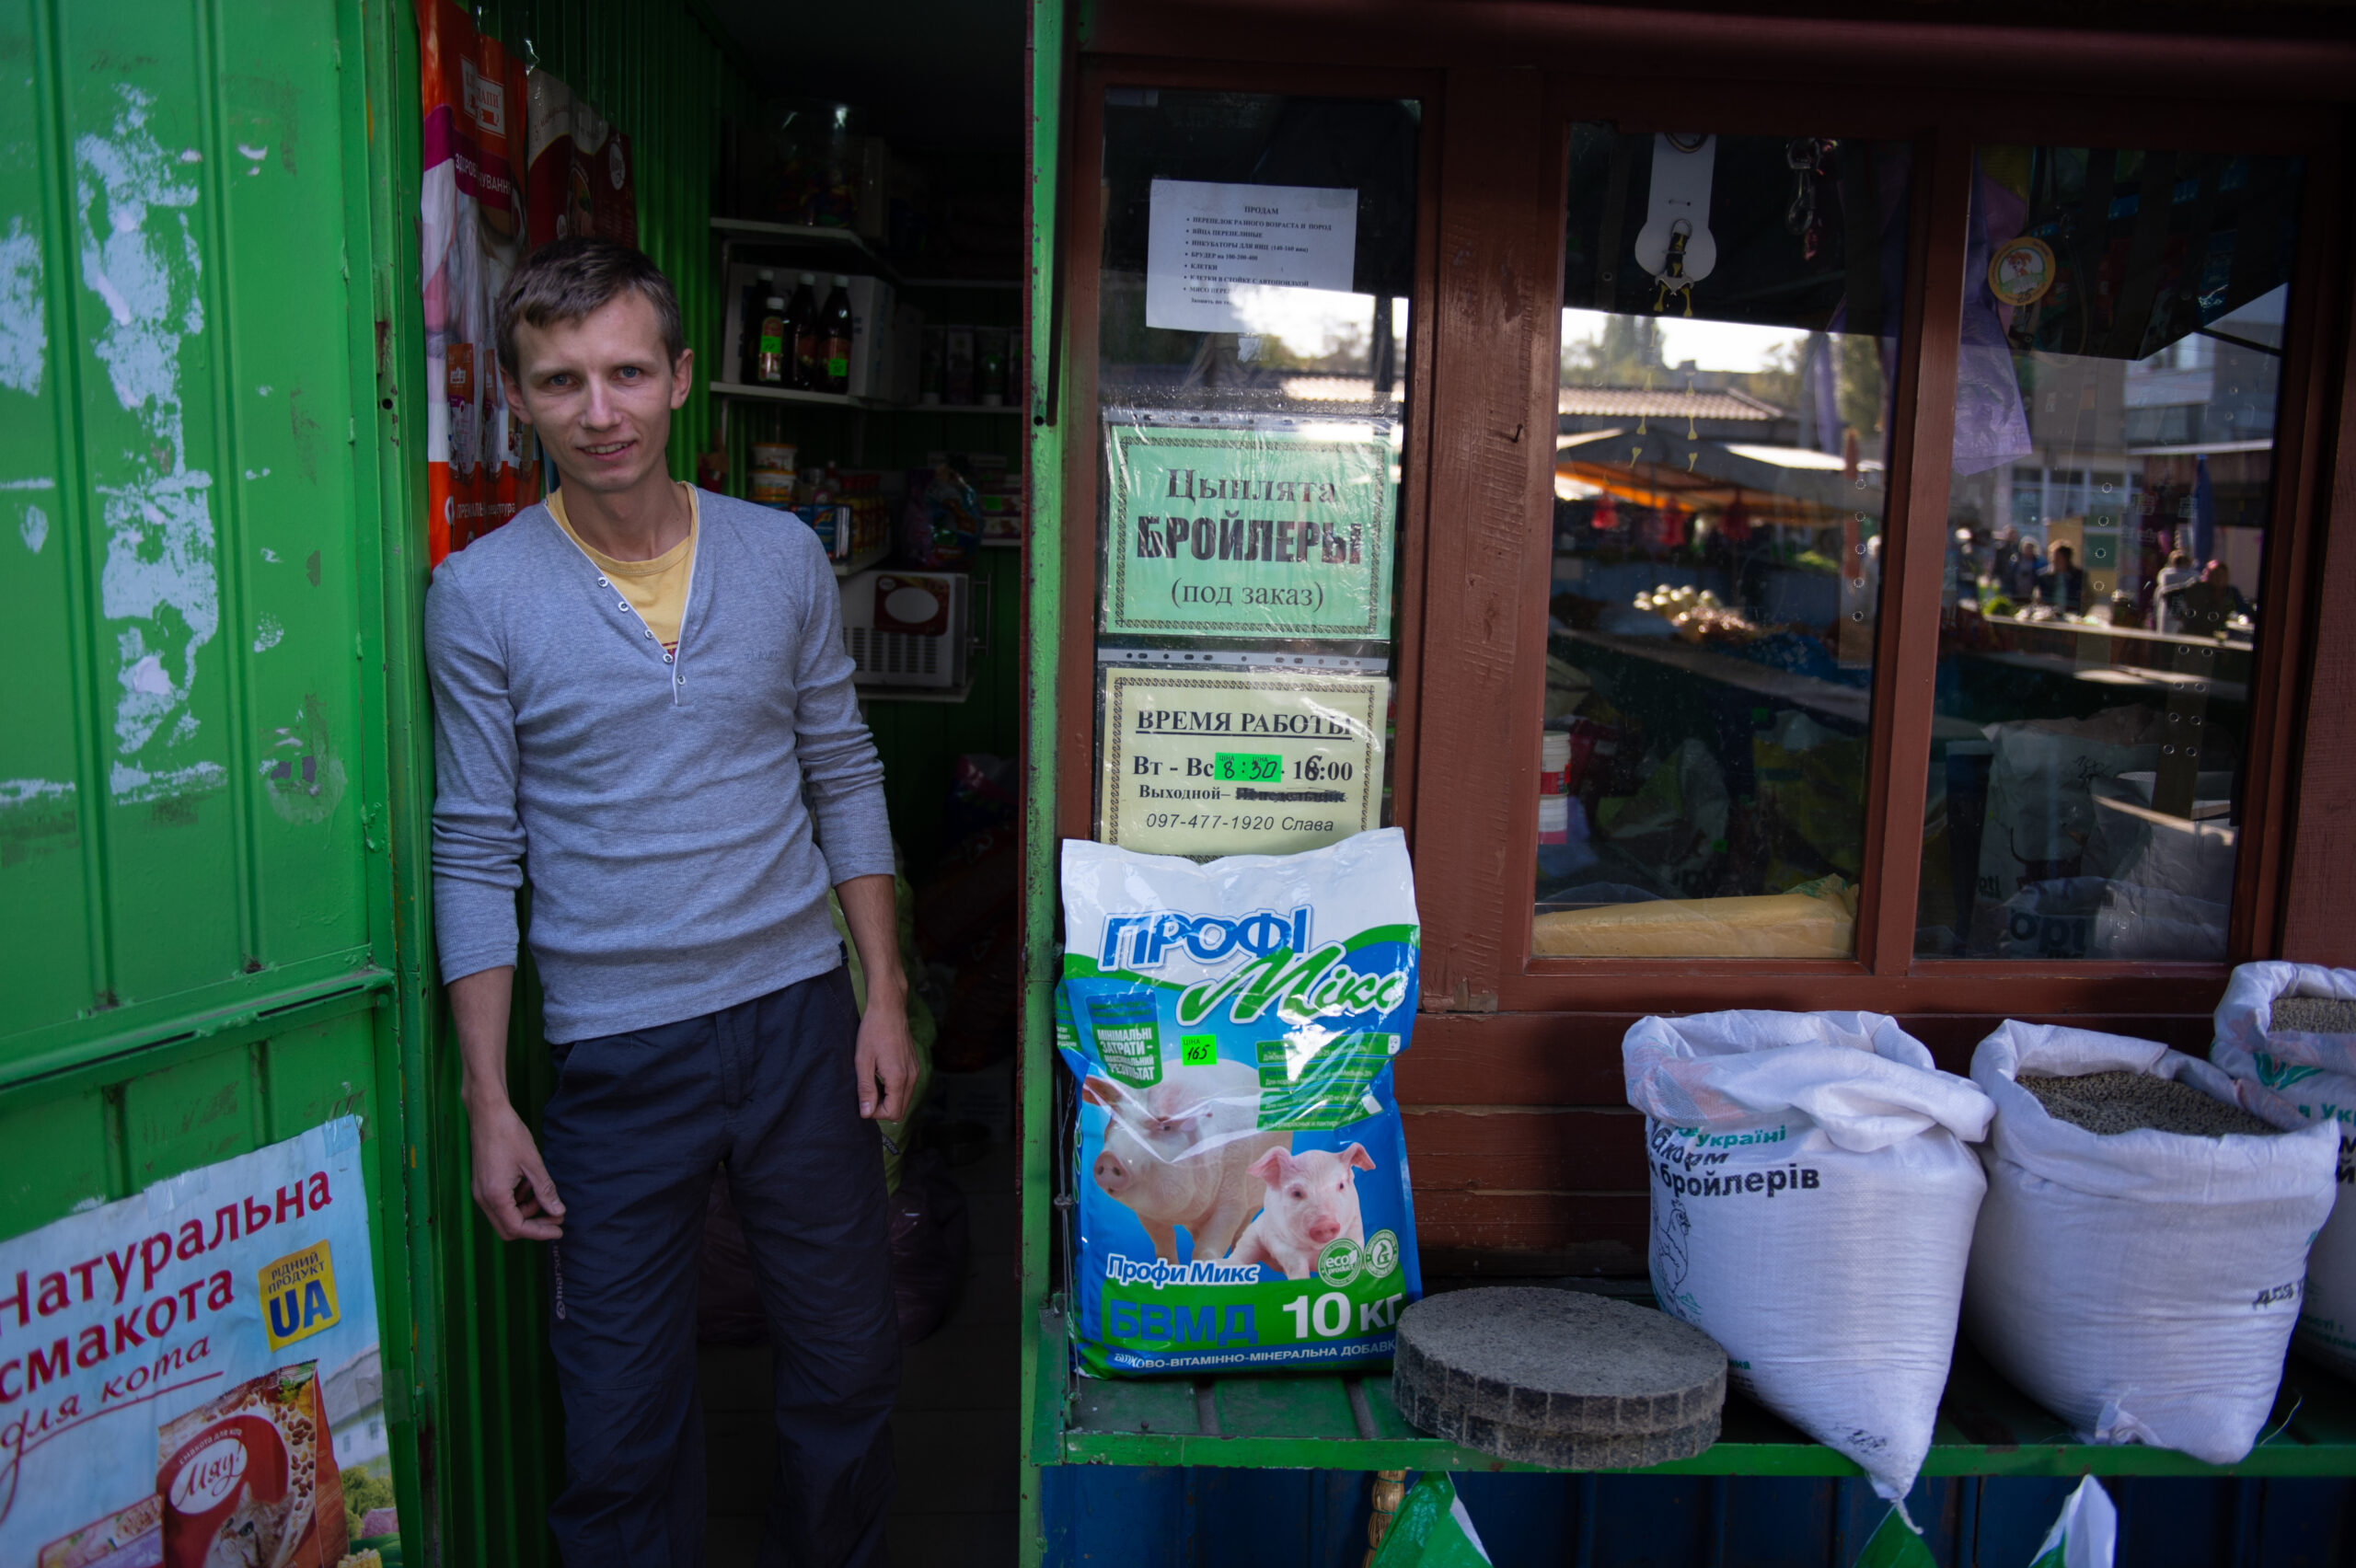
(567, 279)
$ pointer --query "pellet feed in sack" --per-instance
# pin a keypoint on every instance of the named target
(1812, 1205)
(1239, 1166)
(2285, 1033)
(2140, 1285)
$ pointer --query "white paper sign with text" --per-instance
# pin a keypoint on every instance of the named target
(1207, 239)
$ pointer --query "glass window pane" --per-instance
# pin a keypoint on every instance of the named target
(2113, 474)
(1730, 310)
(1258, 266)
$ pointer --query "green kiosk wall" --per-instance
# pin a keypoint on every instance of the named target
(214, 500)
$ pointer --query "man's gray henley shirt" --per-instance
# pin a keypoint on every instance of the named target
(657, 802)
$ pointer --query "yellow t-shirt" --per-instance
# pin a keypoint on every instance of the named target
(656, 589)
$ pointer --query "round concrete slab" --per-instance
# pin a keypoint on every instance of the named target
(1558, 1450)
(1526, 1364)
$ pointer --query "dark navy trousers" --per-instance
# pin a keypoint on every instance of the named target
(632, 1136)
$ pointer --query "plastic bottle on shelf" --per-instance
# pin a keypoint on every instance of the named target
(756, 297)
(837, 322)
(989, 366)
(771, 366)
(809, 346)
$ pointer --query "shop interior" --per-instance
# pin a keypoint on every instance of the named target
(847, 236)
(897, 170)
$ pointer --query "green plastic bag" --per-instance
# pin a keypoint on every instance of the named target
(1895, 1545)
(1431, 1529)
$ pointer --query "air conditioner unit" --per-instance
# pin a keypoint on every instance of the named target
(908, 628)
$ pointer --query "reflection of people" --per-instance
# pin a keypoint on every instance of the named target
(2168, 591)
(682, 836)
(2064, 584)
(2018, 576)
(2209, 604)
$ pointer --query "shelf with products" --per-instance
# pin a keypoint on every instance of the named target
(854, 565)
(797, 395)
(894, 352)
(843, 245)
(847, 400)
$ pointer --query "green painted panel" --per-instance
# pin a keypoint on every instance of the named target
(192, 1114)
(109, 1130)
(59, 1156)
(1050, 51)
(319, 1072)
(182, 809)
(1287, 1407)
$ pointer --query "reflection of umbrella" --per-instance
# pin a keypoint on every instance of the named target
(1780, 484)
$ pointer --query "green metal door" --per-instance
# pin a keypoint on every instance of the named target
(197, 790)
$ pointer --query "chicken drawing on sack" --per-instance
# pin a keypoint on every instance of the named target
(1670, 1264)
(1181, 1152)
(1310, 1199)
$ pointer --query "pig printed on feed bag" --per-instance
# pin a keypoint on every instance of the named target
(1182, 1154)
(1307, 1202)
(1239, 1170)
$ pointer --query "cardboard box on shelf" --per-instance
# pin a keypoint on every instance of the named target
(871, 311)
(904, 352)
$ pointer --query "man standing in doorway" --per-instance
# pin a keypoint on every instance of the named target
(641, 696)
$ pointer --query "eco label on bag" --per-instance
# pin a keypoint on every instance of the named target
(1240, 526)
(1250, 1206)
(1169, 782)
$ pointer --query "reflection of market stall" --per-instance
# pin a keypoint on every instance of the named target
(1714, 596)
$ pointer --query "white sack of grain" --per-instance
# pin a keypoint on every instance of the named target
(2309, 1074)
(2142, 1286)
(1812, 1204)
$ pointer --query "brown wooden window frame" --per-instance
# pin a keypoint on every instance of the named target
(1483, 350)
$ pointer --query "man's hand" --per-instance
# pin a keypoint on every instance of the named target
(887, 1056)
(512, 1187)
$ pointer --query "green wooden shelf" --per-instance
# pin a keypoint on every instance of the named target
(1311, 1421)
